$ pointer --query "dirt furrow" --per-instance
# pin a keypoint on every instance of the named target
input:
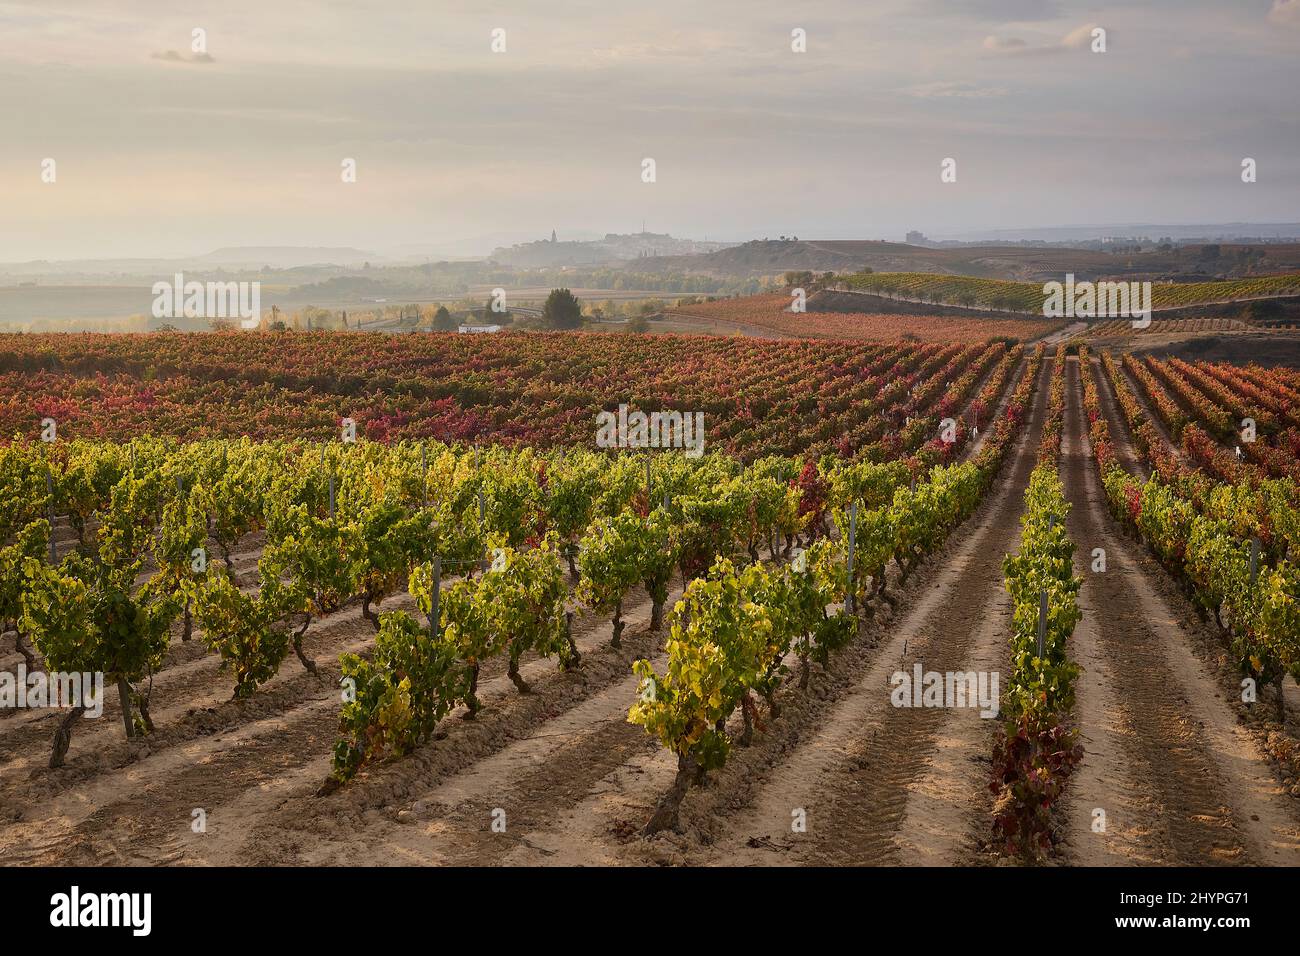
(492, 810)
(1126, 449)
(854, 777)
(145, 806)
(1178, 781)
(949, 803)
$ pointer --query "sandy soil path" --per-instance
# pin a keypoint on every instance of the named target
(1178, 780)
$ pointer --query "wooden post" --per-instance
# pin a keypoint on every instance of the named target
(435, 614)
(853, 534)
(1042, 622)
(482, 518)
(49, 490)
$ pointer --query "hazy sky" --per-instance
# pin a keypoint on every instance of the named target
(160, 151)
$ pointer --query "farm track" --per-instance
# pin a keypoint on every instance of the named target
(1178, 780)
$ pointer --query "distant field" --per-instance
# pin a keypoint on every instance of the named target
(64, 308)
(537, 294)
(128, 308)
(117, 308)
(1123, 328)
(1011, 262)
(767, 313)
(1028, 296)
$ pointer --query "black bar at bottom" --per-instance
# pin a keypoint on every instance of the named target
(955, 905)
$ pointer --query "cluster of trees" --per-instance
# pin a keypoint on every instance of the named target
(457, 278)
(562, 310)
(807, 280)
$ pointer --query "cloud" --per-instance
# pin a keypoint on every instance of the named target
(880, 85)
(172, 56)
(1077, 39)
(674, 45)
(1080, 38)
(1285, 11)
(954, 91)
(1004, 44)
(278, 116)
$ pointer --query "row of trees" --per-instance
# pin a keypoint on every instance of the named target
(562, 311)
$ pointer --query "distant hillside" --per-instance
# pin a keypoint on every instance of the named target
(285, 257)
(1019, 263)
(1002, 295)
(1202, 232)
(239, 258)
(631, 247)
(774, 256)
